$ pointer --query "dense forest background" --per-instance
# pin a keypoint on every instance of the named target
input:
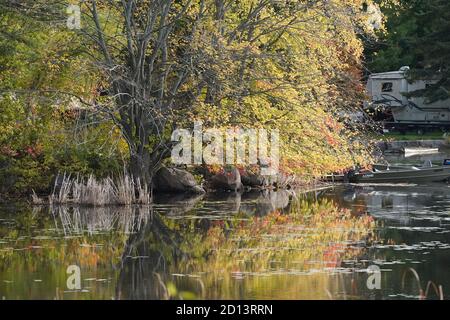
(108, 95)
(416, 34)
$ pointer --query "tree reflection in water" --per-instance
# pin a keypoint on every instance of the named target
(147, 254)
(249, 255)
(257, 245)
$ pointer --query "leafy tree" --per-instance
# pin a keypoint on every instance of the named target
(147, 67)
(394, 45)
(417, 34)
(433, 50)
(43, 127)
(252, 63)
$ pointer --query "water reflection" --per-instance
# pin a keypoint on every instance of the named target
(241, 246)
(146, 259)
(401, 203)
(415, 231)
(261, 204)
(276, 256)
(80, 220)
(399, 158)
(272, 245)
(417, 159)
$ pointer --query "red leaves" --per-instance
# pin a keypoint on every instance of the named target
(32, 151)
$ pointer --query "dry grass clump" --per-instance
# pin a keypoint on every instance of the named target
(90, 191)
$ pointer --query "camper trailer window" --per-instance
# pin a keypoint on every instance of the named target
(386, 87)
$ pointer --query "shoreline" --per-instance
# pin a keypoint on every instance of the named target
(299, 189)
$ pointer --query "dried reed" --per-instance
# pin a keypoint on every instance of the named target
(123, 190)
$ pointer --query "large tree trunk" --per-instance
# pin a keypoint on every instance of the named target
(145, 164)
(140, 168)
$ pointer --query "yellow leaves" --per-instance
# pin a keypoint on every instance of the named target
(277, 68)
(211, 115)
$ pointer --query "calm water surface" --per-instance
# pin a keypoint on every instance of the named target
(173, 249)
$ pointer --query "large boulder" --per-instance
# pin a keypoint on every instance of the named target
(228, 180)
(253, 180)
(173, 180)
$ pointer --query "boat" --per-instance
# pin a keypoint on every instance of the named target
(382, 167)
(409, 152)
(402, 174)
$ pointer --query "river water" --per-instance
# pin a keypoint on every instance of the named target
(234, 246)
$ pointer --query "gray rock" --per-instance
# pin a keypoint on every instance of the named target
(229, 180)
(253, 180)
(173, 180)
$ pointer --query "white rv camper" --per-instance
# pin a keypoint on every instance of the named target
(387, 94)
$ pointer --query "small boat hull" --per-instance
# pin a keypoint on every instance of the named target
(413, 175)
(382, 167)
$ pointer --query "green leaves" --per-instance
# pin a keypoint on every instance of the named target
(293, 67)
(417, 34)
